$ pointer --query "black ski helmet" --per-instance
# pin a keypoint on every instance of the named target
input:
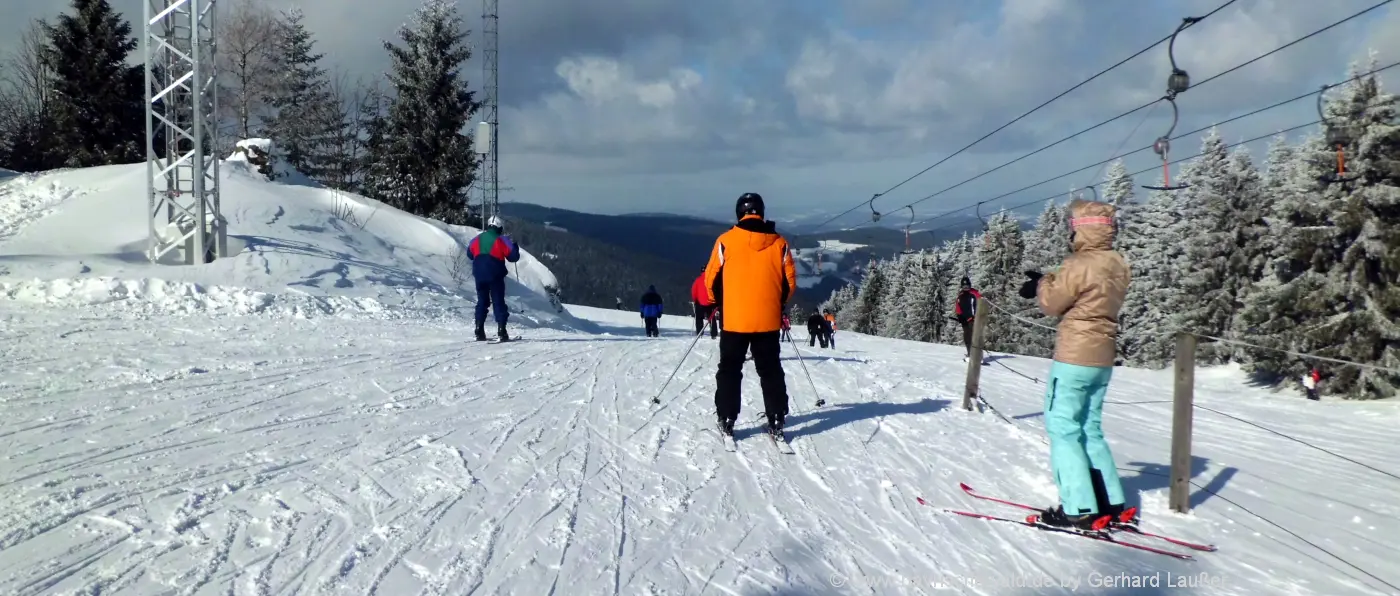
(748, 204)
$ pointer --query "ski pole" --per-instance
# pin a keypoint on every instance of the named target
(820, 402)
(657, 398)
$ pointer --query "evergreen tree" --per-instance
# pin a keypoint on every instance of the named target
(927, 299)
(305, 118)
(1210, 248)
(1153, 240)
(894, 307)
(98, 100)
(1047, 244)
(422, 161)
(864, 312)
(1118, 185)
(997, 273)
(1248, 207)
(1366, 326)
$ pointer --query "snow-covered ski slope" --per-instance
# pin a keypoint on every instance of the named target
(311, 417)
(366, 456)
(78, 237)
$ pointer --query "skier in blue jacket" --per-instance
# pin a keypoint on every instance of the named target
(652, 308)
(490, 251)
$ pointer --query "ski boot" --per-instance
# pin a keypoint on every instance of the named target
(501, 332)
(775, 428)
(1122, 515)
(480, 332)
(726, 427)
(1056, 517)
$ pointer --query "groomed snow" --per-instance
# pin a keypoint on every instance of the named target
(260, 426)
(214, 454)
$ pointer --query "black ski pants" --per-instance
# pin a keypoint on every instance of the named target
(652, 330)
(967, 335)
(702, 315)
(766, 349)
(814, 336)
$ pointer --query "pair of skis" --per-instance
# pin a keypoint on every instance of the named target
(1105, 535)
(731, 445)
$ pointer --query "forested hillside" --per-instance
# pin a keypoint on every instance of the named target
(1285, 254)
(594, 273)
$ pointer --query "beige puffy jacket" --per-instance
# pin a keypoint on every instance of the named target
(1088, 289)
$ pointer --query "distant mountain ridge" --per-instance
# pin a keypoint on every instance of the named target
(667, 247)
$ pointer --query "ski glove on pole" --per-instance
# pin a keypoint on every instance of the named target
(1032, 285)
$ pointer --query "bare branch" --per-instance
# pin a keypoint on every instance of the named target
(246, 37)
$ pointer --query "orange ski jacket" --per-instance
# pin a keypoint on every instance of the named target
(751, 276)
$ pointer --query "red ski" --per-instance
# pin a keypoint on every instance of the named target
(1099, 536)
(1121, 524)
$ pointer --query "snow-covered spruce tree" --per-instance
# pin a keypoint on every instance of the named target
(1152, 237)
(864, 314)
(957, 259)
(1117, 189)
(97, 102)
(305, 120)
(1210, 246)
(895, 315)
(423, 162)
(1366, 328)
(998, 276)
(1283, 308)
(1248, 207)
(1048, 242)
(1335, 288)
(1046, 246)
(927, 299)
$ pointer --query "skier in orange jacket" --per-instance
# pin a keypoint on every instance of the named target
(750, 278)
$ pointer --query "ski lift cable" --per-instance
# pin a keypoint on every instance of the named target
(1157, 101)
(871, 201)
(1180, 136)
(1174, 162)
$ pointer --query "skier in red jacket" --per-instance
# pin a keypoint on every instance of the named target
(704, 309)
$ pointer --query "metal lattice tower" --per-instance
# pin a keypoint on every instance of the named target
(489, 173)
(181, 132)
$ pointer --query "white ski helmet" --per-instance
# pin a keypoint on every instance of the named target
(495, 222)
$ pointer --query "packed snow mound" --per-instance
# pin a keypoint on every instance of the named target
(80, 238)
(154, 296)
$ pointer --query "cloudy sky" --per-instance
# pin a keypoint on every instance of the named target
(662, 105)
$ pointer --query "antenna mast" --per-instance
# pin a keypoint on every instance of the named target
(182, 172)
(488, 175)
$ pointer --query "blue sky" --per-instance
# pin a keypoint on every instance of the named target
(657, 105)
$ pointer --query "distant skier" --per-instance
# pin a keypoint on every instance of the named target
(619, 304)
(1310, 382)
(816, 329)
(489, 252)
(787, 328)
(704, 308)
(751, 276)
(829, 329)
(652, 308)
(965, 309)
(1086, 292)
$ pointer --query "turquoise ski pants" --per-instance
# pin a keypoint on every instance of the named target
(1073, 420)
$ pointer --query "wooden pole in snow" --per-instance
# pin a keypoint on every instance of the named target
(974, 358)
(1182, 410)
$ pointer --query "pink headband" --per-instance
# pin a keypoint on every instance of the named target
(1090, 221)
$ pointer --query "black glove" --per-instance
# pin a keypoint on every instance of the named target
(1032, 285)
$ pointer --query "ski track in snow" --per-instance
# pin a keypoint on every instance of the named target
(241, 455)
